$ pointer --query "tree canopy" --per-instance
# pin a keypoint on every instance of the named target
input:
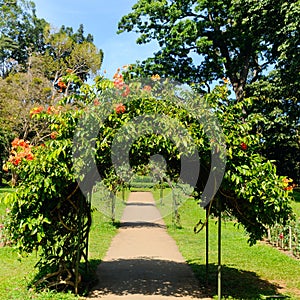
(253, 44)
(202, 41)
(34, 59)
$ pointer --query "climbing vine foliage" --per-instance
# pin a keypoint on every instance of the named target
(88, 134)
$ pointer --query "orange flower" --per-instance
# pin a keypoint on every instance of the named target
(96, 102)
(61, 85)
(120, 108)
(36, 110)
(147, 88)
(29, 156)
(226, 80)
(51, 109)
(23, 144)
(53, 135)
(118, 80)
(15, 142)
(16, 161)
(155, 77)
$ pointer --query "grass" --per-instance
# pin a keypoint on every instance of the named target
(248, 272)
(16, 274)
(296, 203)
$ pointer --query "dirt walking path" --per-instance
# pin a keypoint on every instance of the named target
(143, 261)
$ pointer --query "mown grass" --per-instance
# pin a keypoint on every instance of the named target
(296, 203)
(16, 275)
(248, 272)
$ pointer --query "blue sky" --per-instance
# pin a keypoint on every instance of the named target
(100, 18)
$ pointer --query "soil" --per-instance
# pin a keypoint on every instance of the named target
(143, 261)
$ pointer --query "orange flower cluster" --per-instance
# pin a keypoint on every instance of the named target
(155, 77)
(36, 110)
(286, 183)
(120, 84)
(118, 80)
(120, 108)
(50, 110)
(53, 135)
(147, 88)
(20, 150)
(53, 110)
(96, 102)
(62, 86)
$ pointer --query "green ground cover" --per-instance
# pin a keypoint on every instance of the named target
(296, 203)
(16, 274)
(248, 272)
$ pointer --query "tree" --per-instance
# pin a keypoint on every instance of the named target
(21, 34)
(202, 41)
(68, 53)
(19, 94)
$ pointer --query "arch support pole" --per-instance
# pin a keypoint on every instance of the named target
(219, 251)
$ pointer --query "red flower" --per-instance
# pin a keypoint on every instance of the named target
(244, 146)
(29, 156)
(120, 108)
(16, 161)
(281, 236)
(53, 135)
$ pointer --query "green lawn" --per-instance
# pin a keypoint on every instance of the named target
(296, 203)
(248, 272)
(15, 274)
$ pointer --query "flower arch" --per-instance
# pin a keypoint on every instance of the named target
(51, 210)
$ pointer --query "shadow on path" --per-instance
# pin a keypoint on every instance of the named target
(141, 225)
(145, 276)
(238, 284)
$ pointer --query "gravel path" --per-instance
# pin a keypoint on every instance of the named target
(143, 261)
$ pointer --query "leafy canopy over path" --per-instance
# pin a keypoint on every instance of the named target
(49, 210)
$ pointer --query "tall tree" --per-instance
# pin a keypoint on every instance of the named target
(21, 34)
(254, 44)
(202, 41)
(34, 60)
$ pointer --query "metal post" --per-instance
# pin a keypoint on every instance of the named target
(207, 245)
(161, 195)
(219, 252)
(123, 194)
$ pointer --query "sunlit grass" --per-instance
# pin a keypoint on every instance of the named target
(16, 274)
(248, 272)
